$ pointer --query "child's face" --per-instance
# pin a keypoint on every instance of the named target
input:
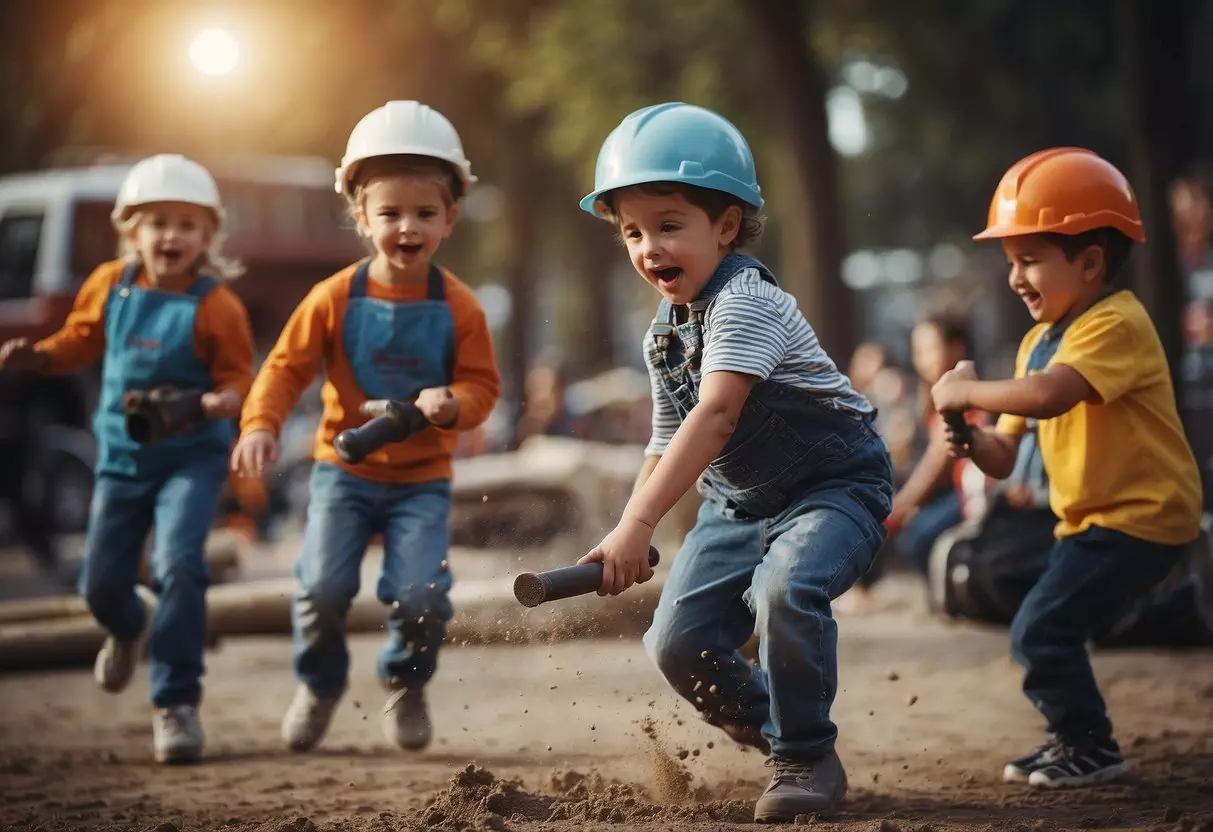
(931, 353)
(673, 244)
(170, 237)
(1049, 284)
(406, 218)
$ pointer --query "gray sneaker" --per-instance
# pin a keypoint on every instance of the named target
(801, 789)
(307, 719)
(406, 720)
(177, 734)
(118, 658)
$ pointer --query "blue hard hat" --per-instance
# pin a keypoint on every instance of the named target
(675, 142)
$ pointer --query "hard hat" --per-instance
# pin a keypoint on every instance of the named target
(1063, 190)
(675, 142)
(167, 177)
(400, 128)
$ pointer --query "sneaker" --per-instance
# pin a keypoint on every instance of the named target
(1081, 766)
(1018, 771)
(406, 719)
(118, 658)
(177, 734)
(307, 719)
(801, 789)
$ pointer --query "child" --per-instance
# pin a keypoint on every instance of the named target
(1122, 478)
(394, 326)
(158, 317)
(746, 404)
(929, 501)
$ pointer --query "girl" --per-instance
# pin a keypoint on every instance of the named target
(160, 317)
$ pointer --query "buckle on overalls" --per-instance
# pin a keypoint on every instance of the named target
(661, 336)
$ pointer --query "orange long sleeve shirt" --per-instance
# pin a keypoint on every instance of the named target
(223, 336)
(314, 335)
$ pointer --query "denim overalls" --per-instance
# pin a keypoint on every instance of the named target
(395, 351)
(172, 484)
(1092, 580)
(792, 517)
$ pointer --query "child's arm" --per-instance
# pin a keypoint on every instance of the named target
(694, 445)
(291, 365)
(992, 451)
(698, 441)
(475, 380)
(1043, 395)
(81, 339)
(225, 343)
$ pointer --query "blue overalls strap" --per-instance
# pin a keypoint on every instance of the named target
(435, 288)
(130, 273)
(358, 284)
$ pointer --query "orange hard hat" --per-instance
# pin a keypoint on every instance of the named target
(1063, 190)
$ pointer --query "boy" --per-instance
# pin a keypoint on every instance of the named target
(1122, 478)
(747, 405)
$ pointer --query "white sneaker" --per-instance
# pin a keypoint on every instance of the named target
(406, 720)
(117, 659)
(307, 719)
(177, 734)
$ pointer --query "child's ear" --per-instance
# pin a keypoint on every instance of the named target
(453, 212)
(1093, 262)
(360, 224)
(730, 225)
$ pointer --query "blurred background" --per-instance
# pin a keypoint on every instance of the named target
(881, 129)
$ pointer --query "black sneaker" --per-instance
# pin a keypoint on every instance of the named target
(1081, 766)
(1018, 771)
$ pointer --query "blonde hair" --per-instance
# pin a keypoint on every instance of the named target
(211, 261)
(423, 168)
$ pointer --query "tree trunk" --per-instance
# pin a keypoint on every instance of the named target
(1157, 76)
(811, 232)
(522, 195)
(596, 258)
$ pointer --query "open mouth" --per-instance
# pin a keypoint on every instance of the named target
(1032, 299)
(171, 255)
(410, 248)
(667, 276)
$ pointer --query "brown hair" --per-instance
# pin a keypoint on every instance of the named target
(425, 168)
(713, 203)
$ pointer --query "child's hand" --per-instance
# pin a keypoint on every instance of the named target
(224, 404)
(624, 555)
(958, 448)
(19, 354)
(952, 389)
(253, 451)
(438, 405)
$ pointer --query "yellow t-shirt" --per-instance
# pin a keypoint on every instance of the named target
(1124, 463)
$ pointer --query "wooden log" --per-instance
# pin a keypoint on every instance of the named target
(223, 558)
(486, 612)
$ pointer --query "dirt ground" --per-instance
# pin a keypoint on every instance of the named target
(584, 735)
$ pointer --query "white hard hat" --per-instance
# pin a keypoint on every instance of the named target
(167, 177)
(403, 127)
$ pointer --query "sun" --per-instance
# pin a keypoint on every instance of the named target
(214, 51)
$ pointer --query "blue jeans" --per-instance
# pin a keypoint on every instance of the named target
(343, 513)
(916, 539)
(1091, 581)
(181, 504)
(776, 576)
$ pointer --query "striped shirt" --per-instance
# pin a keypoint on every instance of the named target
(756, 328)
